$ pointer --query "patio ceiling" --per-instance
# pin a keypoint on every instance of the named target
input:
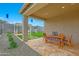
(47, 11)
(52, 10)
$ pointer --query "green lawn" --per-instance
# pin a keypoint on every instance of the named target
(33, 35)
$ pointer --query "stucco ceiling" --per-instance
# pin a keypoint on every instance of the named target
(52, 10)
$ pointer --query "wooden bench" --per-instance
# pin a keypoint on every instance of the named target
(60, 39)
(68, 41)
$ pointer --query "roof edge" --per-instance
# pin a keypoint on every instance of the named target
(24, 7)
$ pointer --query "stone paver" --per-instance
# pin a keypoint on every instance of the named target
(22, 50)
(49, 49)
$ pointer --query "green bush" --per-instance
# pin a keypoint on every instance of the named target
(12, 43)
(32, 35)
(10, 38)
(20, 36)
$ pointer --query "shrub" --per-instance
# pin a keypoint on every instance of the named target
(20, 36)
(12, 43)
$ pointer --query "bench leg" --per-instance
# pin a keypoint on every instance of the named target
(45, 40)
(69, 43)
(61, 45)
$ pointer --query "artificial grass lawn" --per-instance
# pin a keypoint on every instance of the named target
(33, 35)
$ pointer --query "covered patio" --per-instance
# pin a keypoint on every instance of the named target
(47, 49)
(61, 18)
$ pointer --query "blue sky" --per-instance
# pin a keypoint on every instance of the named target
(12, 9)
(36, 22)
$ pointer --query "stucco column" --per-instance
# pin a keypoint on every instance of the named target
(25, 28)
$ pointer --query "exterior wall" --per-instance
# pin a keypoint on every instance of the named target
(18, 28)
(6, 27)
(67, 23)
(1, 28)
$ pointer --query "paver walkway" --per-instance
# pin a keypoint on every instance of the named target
(22, 50)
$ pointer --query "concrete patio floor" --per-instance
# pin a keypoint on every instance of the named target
(47, 49)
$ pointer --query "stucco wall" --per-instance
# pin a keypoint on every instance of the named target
(67, 23)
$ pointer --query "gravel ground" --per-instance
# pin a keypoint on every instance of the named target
(22, 50)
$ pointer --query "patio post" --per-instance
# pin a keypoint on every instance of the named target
(25, 28)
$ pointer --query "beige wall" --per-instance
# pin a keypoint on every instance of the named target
(67, 23)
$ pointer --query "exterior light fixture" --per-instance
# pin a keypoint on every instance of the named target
(62, 7)
(7, 16)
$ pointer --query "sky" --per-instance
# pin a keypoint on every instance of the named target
(12, 9)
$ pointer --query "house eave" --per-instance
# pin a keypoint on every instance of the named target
(24, 7)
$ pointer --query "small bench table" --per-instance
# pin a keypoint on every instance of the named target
(60, 38)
